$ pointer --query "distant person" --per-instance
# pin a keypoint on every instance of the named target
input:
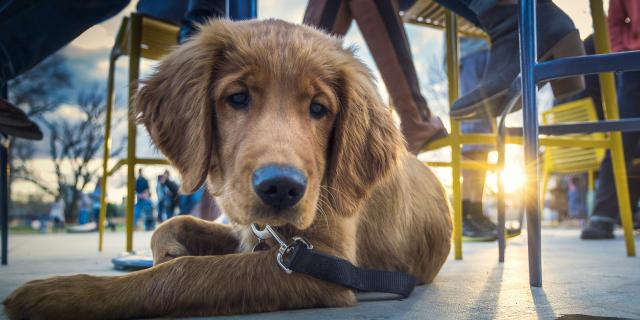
(84, 206)
(170, 194)
(143, 206)
(95, 201)
(56, 214)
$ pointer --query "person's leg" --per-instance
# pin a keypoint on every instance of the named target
(167, 11)
(160, 210)
(95, 215)
(384, 33)
(171, 208)
(606, 211)
(137, 211)
(32, 30)
(199, 11)
(332, 16)
(557, 37)
(475, 224)
(634, 185)
(468, 9)
(148, 216)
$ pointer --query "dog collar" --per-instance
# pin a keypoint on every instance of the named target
(299, 256)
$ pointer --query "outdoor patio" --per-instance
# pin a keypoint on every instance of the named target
(580, 278)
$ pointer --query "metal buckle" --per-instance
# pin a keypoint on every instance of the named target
(285, 248)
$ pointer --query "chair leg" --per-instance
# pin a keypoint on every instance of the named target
(134, 70)
(528, 58)
(105, 153)
(456, 185)
(4, 202)
(622, 190)
(502, 243)
(456, 152)
(545, 184)
(590, 192)
(607, 85)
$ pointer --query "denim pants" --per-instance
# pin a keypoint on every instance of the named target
(472, 68)
(468, 9)
(606, 206)
(33, 30)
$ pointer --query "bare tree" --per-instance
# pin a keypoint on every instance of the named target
(72, 143)
(41, 89)
(72, 146)
(36, 92)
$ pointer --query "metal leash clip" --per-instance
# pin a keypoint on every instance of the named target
(269, 232)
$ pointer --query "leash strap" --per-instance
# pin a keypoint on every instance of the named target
(303, 259)
(298, 256)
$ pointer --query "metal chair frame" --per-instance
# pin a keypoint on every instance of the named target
(529, 136)
(533, 72)
(129, 41)
(142, 37)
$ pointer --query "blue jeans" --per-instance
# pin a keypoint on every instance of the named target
(33, 30)
(606, 206)
(143, 208)
(468, 9)
(472, 69)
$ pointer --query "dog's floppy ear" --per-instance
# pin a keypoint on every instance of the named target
(366, 144)
(176, 104)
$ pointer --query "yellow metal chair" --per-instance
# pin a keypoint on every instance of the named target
(563, 160)
(138, 37)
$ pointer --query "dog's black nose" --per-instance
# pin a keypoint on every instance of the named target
(279, 186)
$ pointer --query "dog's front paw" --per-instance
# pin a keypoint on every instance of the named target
(72, 297)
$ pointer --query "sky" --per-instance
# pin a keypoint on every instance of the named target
(87, 58)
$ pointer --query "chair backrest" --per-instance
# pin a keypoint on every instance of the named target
(572, 160)
(158, 38)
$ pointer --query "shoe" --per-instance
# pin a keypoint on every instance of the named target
(557, 37)
(475, 226)
(513, 232)
(419, 135)
(597, 230)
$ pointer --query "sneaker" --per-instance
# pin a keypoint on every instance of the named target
(475, 226)
(597, 230)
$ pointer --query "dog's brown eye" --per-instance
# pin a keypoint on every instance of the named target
(239, 100)
(317, 110)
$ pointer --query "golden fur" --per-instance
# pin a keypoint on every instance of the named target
(368, 200)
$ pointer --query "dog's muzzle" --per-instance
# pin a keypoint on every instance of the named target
(279, 186)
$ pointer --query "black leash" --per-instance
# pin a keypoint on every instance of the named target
(299, 256)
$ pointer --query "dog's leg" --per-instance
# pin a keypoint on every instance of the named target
(185, 286)
(189, 236)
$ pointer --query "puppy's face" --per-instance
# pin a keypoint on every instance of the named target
(280, 118)
(274, 117)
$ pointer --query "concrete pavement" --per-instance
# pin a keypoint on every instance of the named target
(584, 278)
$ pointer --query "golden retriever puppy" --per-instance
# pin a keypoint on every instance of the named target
(286, 128)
